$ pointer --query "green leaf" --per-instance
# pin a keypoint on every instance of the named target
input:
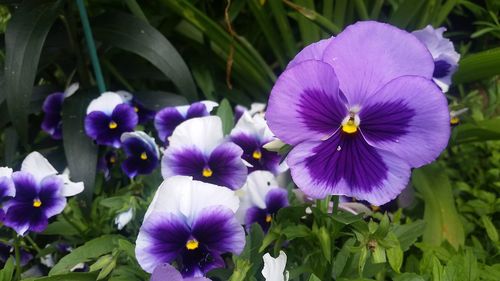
(285, 30)
(342, 257)
(325, 243)
(225, 112)
(395, 257)
(490, 228)
(484, 130)
(156, 100)
(90, 250)
(314, 278)
(60, 228)
(315, 18)
(8, 270)
(135, 35)
(296, 231)
(441, 217)
(308, 31)
(81, 152)
(406, 11)
(240, 271)
(408, 233)
(478, 66)
(409, 277)
(24, 39)
(74, 276)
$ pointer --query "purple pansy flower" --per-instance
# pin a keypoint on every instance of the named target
(443, 52)
(255, 108)
(142, 154)
(7, 251)
(40, 194)
(261, 198)
(52, 108)
(192, 224)
(7, 189)
(363, 116)
(198, 149)
(108, 117)
(145, 114)
(106, 162)
(167, 119)
(165, 272)
(251, 134)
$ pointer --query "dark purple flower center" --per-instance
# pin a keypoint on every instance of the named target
(441, 69)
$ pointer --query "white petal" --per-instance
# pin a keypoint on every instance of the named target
(204, 133)
(126, 96)
(106, 103)
(182, 195)
(209, 105)
(5, 172)
(122, 219)
(254, 192)
(257, 108)
(47, 260)
(71, 90)
(274, 145)
(355, 208)
(38, 166)
(274, 268)
(255, 126)
(70, 188)
(143, 136)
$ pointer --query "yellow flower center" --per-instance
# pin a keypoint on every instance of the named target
(350, 127)
(37, 203)
(113, 125)
(207, 172)
(375, 208)
(257, 154)
(112, 160)
(454, 120)
(192, 244)
(269, 218)
(136, 109)
(144, 156)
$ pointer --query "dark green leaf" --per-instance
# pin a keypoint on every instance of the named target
(156, 100)
(74, 276)
(408, 233)
(484, 130)
(405, 13)
(478, 66)
(7, 270)
(226, 114)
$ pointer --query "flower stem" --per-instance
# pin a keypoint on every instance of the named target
(74, 225)
(33, 243)
(17, 252)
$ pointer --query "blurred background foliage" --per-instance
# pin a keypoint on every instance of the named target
(171, 52)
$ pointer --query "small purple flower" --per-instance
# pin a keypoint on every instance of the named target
(198, 149)
(52, 108)
(192, 224)
(142, 154)
(167, 119)
(40, 194)
(165, 272)
(106, 162)
(443, 52)
(108, 117)
(7, 189)
(145, 114)
(7, 251)
(261, 199)
(361, 117)
(251, 134)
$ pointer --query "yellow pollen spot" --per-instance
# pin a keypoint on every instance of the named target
(192, 244)
(37, 203)
(136, 109)
(113, 125)
(454, 120)
(350, 127)
(112, 160)
(207, 172)
(269, 218)
(375, 208)
(144, 156)
(257, 154)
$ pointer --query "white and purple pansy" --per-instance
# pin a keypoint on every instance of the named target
(260, 200)
(361, 117)
(443, 52)
(7, 189)
(106, 162)
(108, 117)
(255, 108)
(167, 119)
(198, 149)
(142, 153)
(40, 194)
(52, 109)
(251, 134)
(189, 223)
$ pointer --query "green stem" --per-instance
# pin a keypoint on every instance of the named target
(335, 203)
(17, 252)
(74, 225)
(33, 243)
(91, 46)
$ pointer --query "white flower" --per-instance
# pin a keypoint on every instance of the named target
(106, 103)
(122, 219)
(254, 192)
(274, 268)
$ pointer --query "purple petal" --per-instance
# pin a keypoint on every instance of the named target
(305, 103)
(276, 199)
(165, 272)
(367, 55)
(53, 202)
(161, 239)
(197, 109)
(7, 188)
(166, 120)
(228, 169)
(135, 165)
(26, 186)
(441, 69)
(257, 215)
(408, 117)
(52, 125)
(144, 114)
(183, 162)
(313, 51)
(268, 160)
(53, 103)
(347, 165)
(23, 216)
(125, 116)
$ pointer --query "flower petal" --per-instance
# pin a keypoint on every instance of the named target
(204, 133)
(254, 192)
(368, 54)
(166, 120)
(276, 199)
(188, 161)
(408, 117)
(274, 268)
(313, 51)
(165, 272)
(122, 219)
(105, 103)
(53, 202)
(305, 103)
(38, 166)
(228, 168)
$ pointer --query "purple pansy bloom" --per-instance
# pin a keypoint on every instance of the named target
(443, 52)
(106, 162)
(7, 251)
(251, 134)
(145, 114)
(7, 189)
(166, 272)
(167, 119)
(40, 194)
(52, 108)
(261, 198)
(198, 149)
(142, 154)
(108, 117)
(192, 224)
(363, 116)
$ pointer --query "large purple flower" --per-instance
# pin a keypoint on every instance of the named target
(261, 199)
(108, 117)
(40, 194)
(443, 52)
(7, 189)
(361, 117)
(251, 134)
(198, 149)
(142, 153)
(192, 224)
(52, 108)
(167, 119)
